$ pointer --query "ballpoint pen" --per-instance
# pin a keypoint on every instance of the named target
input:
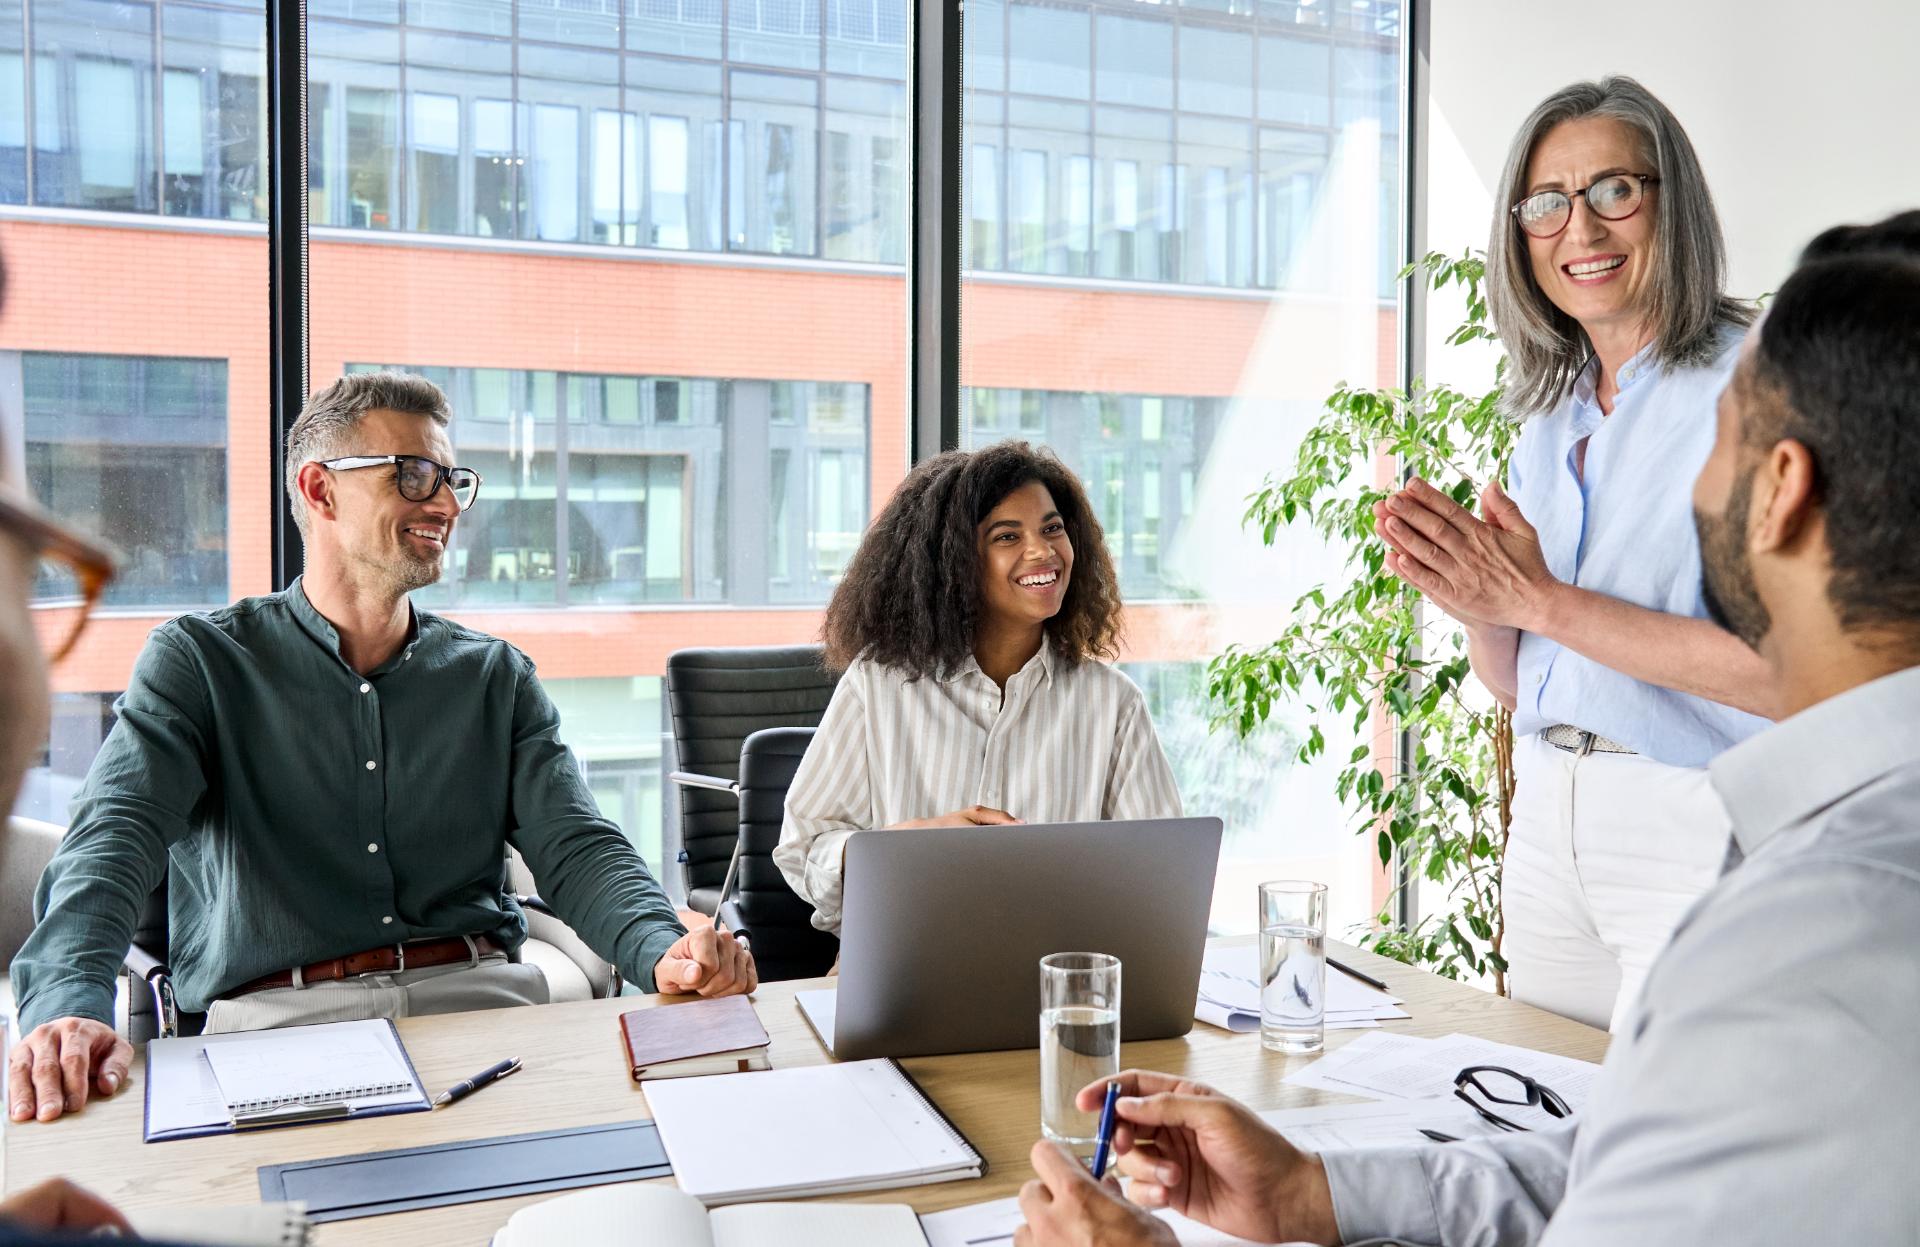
(492, 1074)
(1352, 973)
(1105, 1134)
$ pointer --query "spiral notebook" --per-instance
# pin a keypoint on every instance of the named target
(210, 1084)
(813, 1130)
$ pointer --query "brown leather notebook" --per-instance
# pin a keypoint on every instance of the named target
(722, 1036)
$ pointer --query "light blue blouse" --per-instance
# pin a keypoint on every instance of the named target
(1627, 531)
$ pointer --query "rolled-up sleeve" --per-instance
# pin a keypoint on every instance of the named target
(1485, 1193)
(1141, 784)
(831, 798)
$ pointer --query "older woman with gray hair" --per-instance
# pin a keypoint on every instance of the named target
(1580, 591)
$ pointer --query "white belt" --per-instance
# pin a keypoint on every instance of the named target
(1574, 740)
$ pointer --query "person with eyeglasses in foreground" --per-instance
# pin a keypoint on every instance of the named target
(329, 778)
(1580, 592)
(1762, 1090)
(27, 537)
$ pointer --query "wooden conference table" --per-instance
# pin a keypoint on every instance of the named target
(574, 1076)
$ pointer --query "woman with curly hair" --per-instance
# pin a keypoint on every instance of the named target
(969, 628)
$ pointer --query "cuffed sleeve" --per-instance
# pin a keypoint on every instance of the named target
(1481, 1193)
(831, 798)
(585, 867)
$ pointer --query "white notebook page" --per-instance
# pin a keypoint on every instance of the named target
(608, 1215)
(817, 1225)
(341, 1061)
(815, 1129)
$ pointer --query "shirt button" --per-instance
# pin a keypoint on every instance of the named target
(373, 848)
(366, 688)
(387, 921)
(1538, 679)
(370, 764)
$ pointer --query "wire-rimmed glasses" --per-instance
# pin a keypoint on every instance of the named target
(1612, 198)
(72, 572)
(1480, 1085)
(417, 477)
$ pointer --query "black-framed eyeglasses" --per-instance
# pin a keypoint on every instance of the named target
(415, 476)
(1480, 1085)
(1612, 198)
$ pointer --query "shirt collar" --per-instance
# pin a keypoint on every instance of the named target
(1804, 764)
(1642, 366)
(317, 626)
(1041, 667)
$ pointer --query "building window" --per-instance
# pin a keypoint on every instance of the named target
(134, 448)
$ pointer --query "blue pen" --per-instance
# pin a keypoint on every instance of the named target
(1105, 1139)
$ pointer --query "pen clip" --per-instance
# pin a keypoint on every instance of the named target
(291, 1115)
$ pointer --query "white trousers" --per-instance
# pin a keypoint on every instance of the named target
(1606, 853)
(489, 982)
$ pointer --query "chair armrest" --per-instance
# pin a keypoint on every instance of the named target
(549, 928)
(689, 779)
(159, 980)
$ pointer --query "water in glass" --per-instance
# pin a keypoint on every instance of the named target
(1293, 988)
(1078, 1045)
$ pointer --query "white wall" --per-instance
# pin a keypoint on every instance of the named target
(1804, 114)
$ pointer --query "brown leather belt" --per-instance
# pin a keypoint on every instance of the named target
(387, 959)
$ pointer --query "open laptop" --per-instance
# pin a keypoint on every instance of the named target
(942, 931)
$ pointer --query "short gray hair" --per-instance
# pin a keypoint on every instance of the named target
(1546, 348)
(327, 422)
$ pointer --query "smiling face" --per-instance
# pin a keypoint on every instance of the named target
(1026, 558)
(1596, 271)
(401, 543)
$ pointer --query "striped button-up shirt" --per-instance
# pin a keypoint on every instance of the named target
(1067, 743)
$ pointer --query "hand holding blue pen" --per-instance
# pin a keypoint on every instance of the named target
(1105, 1138)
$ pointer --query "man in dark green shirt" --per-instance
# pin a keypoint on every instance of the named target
(329, 780)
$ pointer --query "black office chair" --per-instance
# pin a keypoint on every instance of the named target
(152, 1012)
(742, 718)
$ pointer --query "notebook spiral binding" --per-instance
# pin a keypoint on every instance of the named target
(329, 1096)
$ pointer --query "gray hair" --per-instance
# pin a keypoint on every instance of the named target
(1546, 348)
(327, 422)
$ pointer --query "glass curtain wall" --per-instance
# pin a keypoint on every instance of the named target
(1180, 234)
(652, 250)
(132, 403)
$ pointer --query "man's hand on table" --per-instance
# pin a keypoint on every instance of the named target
(57, 1064)
(709, 961)
(58, 1204)
(1186, 1147)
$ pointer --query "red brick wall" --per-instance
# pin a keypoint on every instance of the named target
(138, 291)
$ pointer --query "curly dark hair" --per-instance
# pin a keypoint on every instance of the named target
(910, 599)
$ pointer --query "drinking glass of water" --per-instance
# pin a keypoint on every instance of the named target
(1293, 966)
(1079, 1040)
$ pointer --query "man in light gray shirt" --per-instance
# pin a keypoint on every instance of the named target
(1766, 1090)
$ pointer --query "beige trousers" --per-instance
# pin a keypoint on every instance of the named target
(488, 982)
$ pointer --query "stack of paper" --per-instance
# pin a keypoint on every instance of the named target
(1403, 1067)
(1230, 994)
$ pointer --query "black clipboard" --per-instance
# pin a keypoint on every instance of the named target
(372, 1184)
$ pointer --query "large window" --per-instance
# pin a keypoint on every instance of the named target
(630, 490)
(655, 252)
(1226, 174)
